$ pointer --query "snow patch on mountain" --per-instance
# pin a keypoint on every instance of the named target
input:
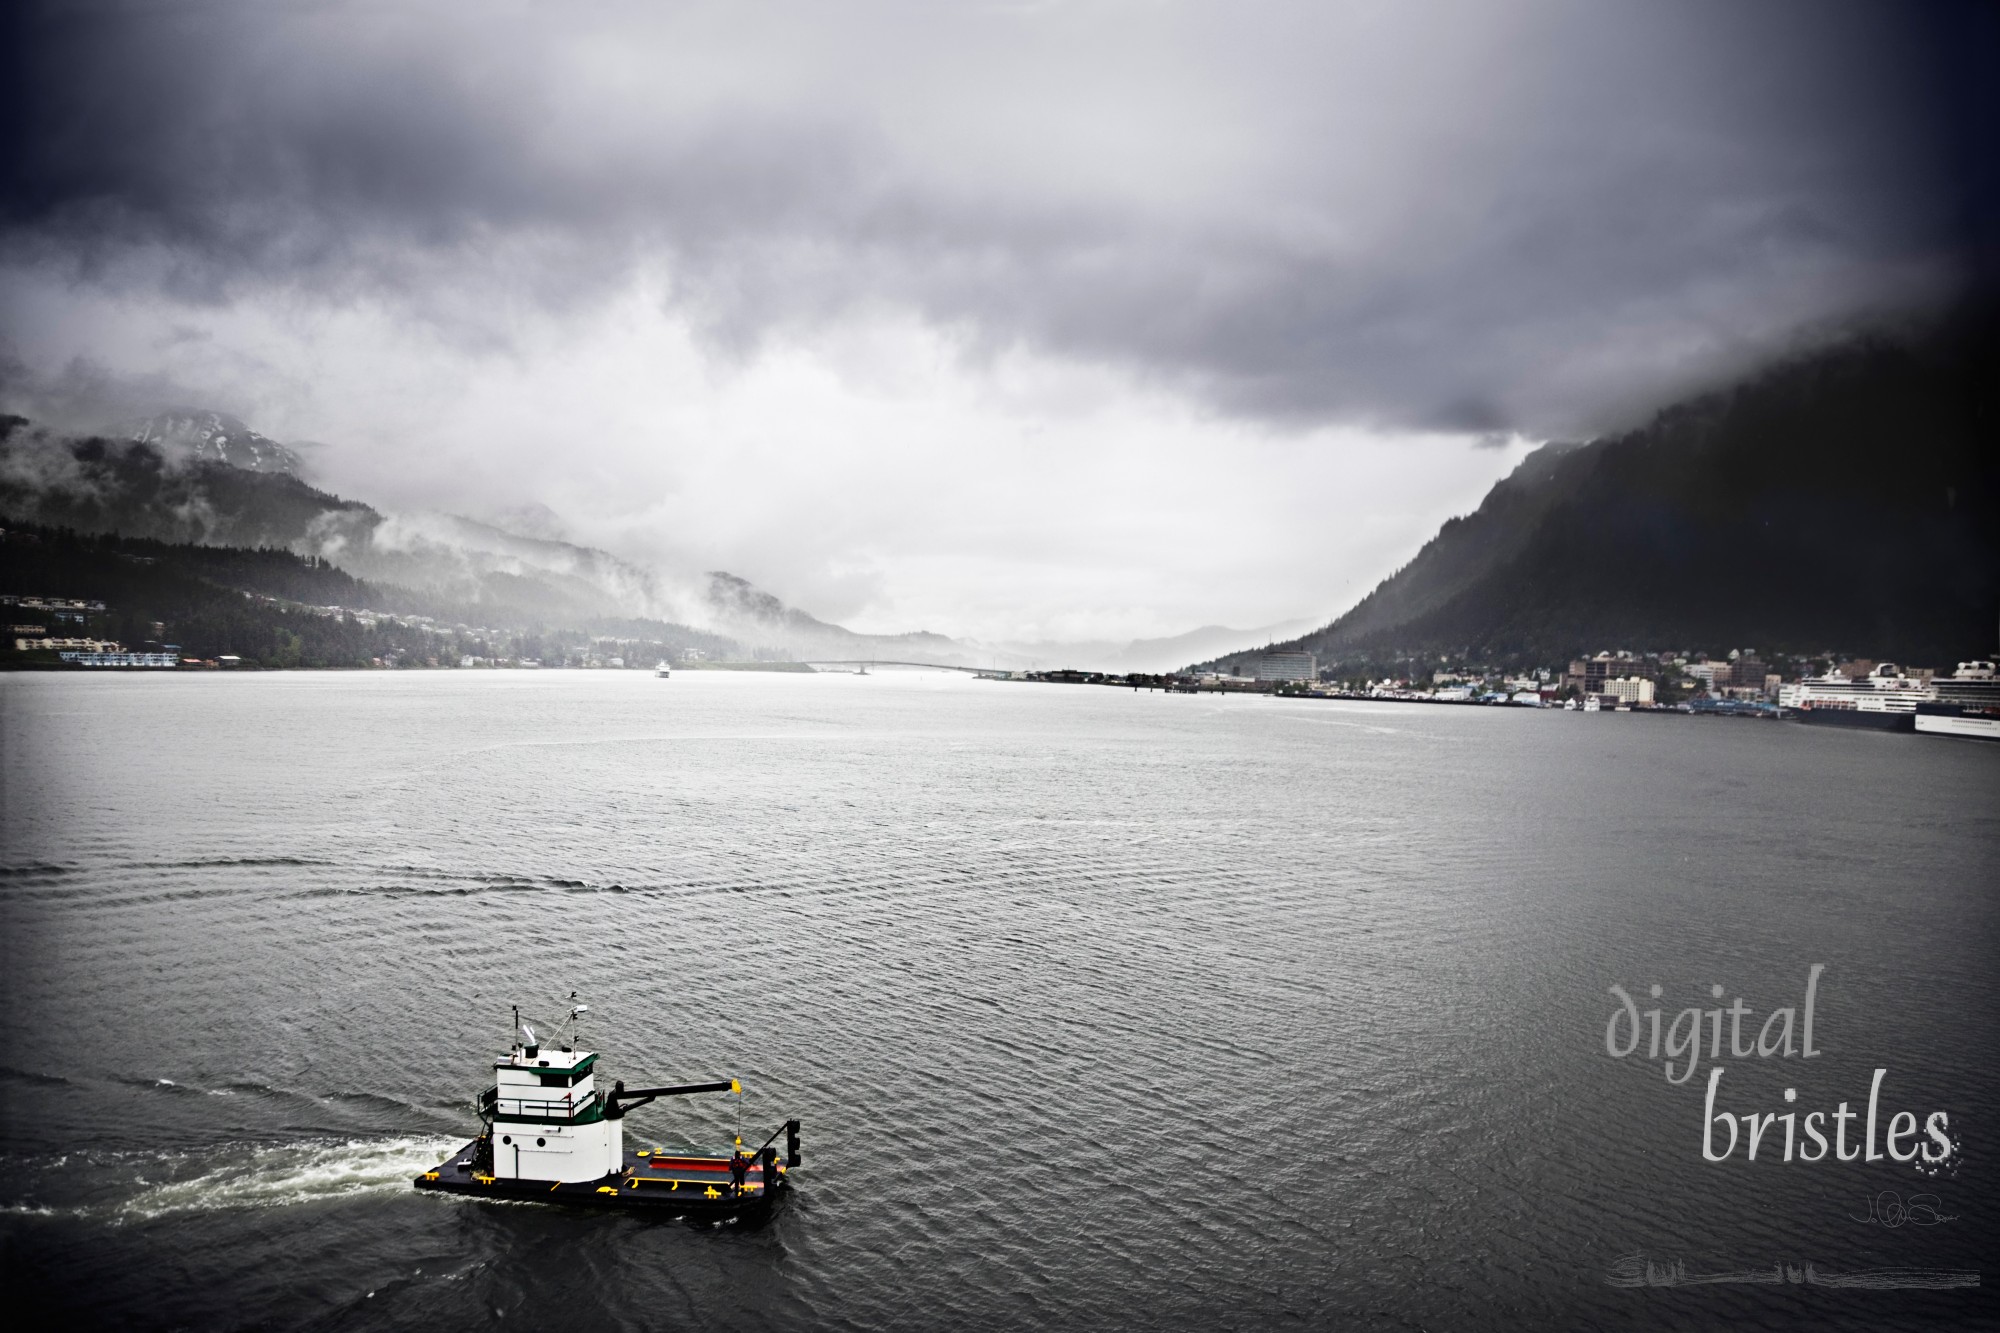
(215, 437)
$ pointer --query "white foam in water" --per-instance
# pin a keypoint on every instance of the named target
(273, 1177)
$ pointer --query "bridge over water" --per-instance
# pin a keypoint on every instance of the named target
(883, 661)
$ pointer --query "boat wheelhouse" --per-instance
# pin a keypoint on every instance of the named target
(546, 1119)
(551, 1135)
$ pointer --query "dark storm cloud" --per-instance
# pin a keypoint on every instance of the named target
(1406, 216)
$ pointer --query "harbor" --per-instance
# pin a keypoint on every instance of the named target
(1019, 958)
(1964, 704)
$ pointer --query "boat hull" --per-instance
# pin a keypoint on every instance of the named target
(1867, 719)
(698, 1188)
(1974, 726)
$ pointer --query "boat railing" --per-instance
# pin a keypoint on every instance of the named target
(492, 1103)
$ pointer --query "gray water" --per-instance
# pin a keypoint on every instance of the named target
(1100, 1008)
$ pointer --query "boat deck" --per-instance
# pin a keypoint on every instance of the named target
(682, 1183)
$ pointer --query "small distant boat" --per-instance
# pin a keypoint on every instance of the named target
(1593, 705)
(551, 1136)
(662, 671)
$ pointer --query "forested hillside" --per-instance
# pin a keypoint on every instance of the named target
(271, 608)
(1844, 500)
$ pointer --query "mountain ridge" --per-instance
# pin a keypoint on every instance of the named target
(174, 479)
(1846, 498)
(216, 437)
(203, 477)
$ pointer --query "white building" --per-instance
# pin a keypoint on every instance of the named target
(1630, 689)
(1281, 666)
(117, 659)
(79, 645)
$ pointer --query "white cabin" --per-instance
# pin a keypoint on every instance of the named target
(547, 1118)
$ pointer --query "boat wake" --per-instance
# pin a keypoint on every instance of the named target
(280, 1176)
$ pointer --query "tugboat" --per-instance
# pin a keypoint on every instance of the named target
(663, 671)
(551, 1136)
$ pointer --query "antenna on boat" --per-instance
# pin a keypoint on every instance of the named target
(574, 1022)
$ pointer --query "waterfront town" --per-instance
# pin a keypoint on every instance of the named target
(53, 630)
(1740, 681)
(67, 633)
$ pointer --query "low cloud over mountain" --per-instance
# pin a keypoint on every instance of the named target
(1047, 320)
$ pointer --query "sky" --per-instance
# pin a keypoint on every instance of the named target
(1004, 320)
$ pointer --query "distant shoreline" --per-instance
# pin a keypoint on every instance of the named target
(75, 668)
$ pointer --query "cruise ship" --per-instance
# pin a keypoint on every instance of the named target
(1967, 704)
(1885, 699)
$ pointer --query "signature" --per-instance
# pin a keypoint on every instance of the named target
(1887, 1209)
(1636, 1270)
